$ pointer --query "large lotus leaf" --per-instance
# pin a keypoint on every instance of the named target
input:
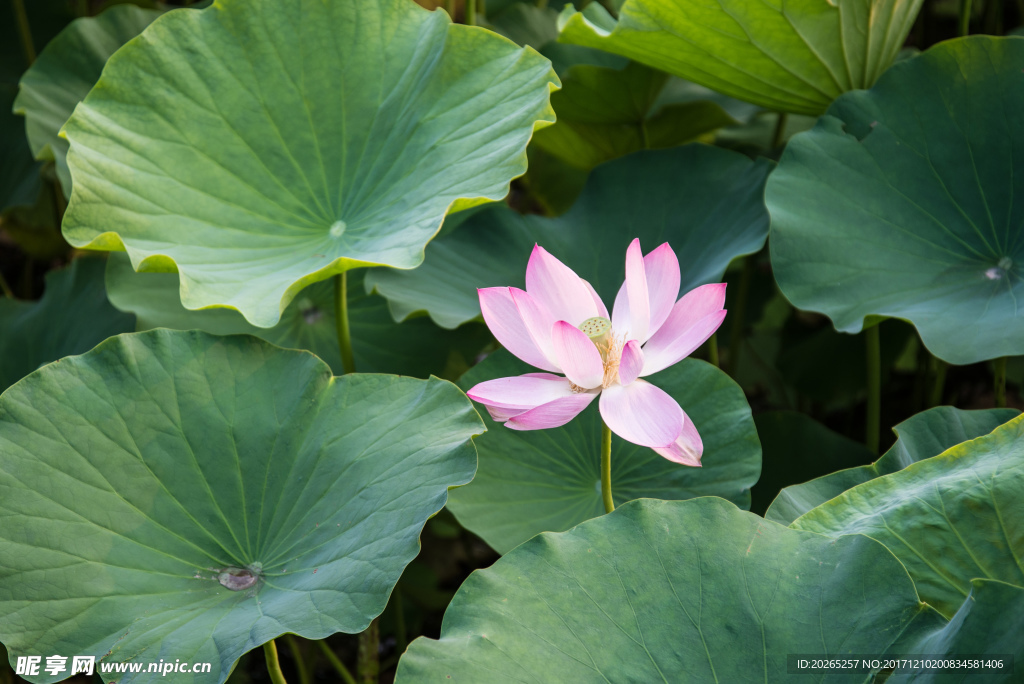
(949, 519)
(704, 201)
(262, 146)
(550, 480)
(904, 201)
(665, 591)
(789, 55)
(417, 347)
(989, 623)
(72, 317)
(65, 73)
(605, 113)
(919, 437)
(182, 495)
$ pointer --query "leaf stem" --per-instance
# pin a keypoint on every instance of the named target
(606, 468)
(300, 663)
(965, 17)
(335, 662)
(401, 635)
(739, 313)
(24, 31)
(713, 351)
(470, 13)
(874, 382)
(449, 7)
(348, 363)
(938, 382)
(780, 130)
(273, 664)
(368, 659)
(999, 370)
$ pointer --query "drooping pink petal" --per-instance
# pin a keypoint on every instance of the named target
(631, 362)
(662, 269)
(538, 321)
(642, 414)
(694, 318)
(577, 356)
(552, 414)
(558, 288)
(602, 310)
(521, 392)
(506, 324)
(688, 447)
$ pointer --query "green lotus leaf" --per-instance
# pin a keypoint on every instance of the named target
(704, 201)
(260, 146)
(788, 55)
(180, 495)
(795, 447)
(416, 347)
(72, 317)
(550, 480)
(949, 519)
(922, 436)
(65, 73)
(989, 623)
(666, 591)
(605, 113)
(901, 202)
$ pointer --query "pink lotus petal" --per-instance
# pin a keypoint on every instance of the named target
(694, 318)
(552, 414)
(521, 392)
(631, 363)
(637, 294)
(558, 288)
(503, 318)
(642, 414)
(662, 269)
(687, 449)
(602, 310)
(500, 415)
(538, 321)
(577, 356)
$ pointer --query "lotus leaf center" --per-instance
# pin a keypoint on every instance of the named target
(237, 579)
(338, 228)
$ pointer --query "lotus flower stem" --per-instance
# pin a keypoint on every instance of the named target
(606, 468)
(965, 17)
(24, 31)
(335, 662)
(273, 664)
(874, 407)
(999, 369)
(300, 663)
(739, 313)
(450, 8)
(348, 363)
(5, 287)
(470, 17)
(938, 383)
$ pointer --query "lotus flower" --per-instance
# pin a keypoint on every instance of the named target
(559, 324)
